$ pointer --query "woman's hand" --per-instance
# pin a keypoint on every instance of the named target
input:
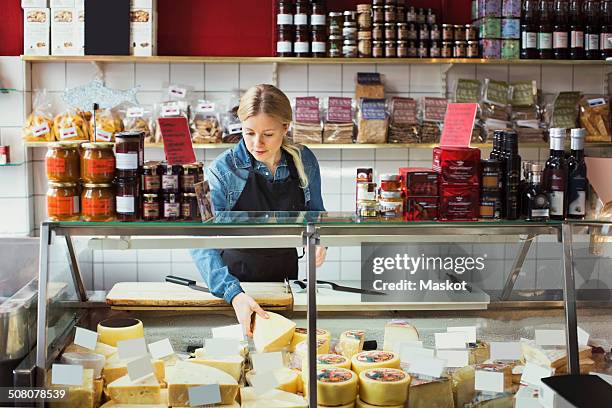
(244, 306)
(321, 253)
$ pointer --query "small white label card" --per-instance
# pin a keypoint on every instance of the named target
(204, 395)
(454, 358)
(606, 377)
(432, 367)
(489, 381)
(161, 349)
(228, 332)
(550, 337)
(140, 367)
(407, 352)
(263, 383)
(132, 348)
(176, 92)
(583, 337)
(527, 397)
(267, 361)
(470, 330)
(66, 374)
(85, 338)
(222, 347)
(502, 350)
(452, 340)
(397, 347)
(533, 374)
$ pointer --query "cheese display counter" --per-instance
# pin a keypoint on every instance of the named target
(453, 343)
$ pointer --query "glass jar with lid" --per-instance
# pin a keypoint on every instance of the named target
(411, 15)
(390, 13)
(318, 44)
(378, 32)
(460, 49)
(98, 163)
(460, 33)
(364, 16)
(189, 177)
(424, 32)
(390, 31)
(284, 41)
(171, 207)
(390, 49)
(150, 207)
(367, 209)
(335, 46)
(435, 49)
(435, 34)
(98, 202)
(365, 44)
(336, 22)
(446, 50)
(301, 46)
(423, 50)
(302, 11)
(412, 49)
(127, 199)
(448, 32)
(378, 49)
(189, 207)
(317, 14)
(128, 153)
(378, 14)
(402, 32)
(400, 13)
(171, 175)
(151, 177)
(472, 49)
(349, 50)
(402, 49)
(63, 202)
(62, 162)
(349, 31)
(391, 205)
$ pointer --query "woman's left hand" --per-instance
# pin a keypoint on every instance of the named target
(320, 255)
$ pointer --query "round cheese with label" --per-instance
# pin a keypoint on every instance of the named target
(336, 386)
(326, 361)
(383, 386)
(301, 334)
(114, 330)
(374, 359)
(360, 404)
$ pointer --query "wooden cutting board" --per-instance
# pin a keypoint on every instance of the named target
(167, 296)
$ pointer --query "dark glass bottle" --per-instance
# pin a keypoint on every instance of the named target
(512, 170)
(529, 30)
(523, 186)
(495, 153)
(554, 179)
(576, 30)
(538, 206)
(545, 29)
(606, 29)
(577, 176)
(561, 30)
(591, 30)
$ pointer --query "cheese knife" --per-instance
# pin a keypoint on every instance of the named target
(186, 282)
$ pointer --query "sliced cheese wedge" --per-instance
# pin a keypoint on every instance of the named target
(549, 357)
(116, 368)
(229, 364)
(287, 379)
(185, 374)
(301, 334)
(272, 334)
(144, 391)
(398, 331)
(163, 404)
(479, 352)
(505, 369)
(271, 399)
(351, 343)
(430, 393)
(374, 359)
(101, 348)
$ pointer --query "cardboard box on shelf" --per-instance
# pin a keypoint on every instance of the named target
(36, 24)
(64, 31)
(143, 31)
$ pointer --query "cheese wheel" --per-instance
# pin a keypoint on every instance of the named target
(430, 393)
(272, 334)
(185, 375)
(301, 334)
(374, 359)
(398, 331)
(349, 405)
(326, 361)
(302, 348)
(351, 343)
(287, 379)
(114, 330)
(360, 404)
(384, 386)
(145, 390)
(336, 386)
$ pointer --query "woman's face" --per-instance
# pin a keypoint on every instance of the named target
(263, 136)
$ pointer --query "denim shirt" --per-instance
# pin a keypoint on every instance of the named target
(227, 177)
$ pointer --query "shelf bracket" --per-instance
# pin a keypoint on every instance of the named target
(275, 74)
(444, 68)
(99, 67)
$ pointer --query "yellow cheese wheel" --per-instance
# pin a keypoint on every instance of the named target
(374, 359)
(302, 348)
(336, 386)
(384, 386)
(301, 334)
(351, 343)
(326, 361)
(360, 404)
(114, 330)
(349, 405)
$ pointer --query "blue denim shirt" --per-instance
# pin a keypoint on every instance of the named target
(227, 177)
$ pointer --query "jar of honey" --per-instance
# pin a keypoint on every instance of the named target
(391, 205)
(98, 202)
(390, 182)
(63, 202)
(63, 162)
(98, 163)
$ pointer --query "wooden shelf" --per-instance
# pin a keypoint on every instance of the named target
(286, 60)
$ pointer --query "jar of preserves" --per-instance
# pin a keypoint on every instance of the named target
(335, 46)
(366, 191)
(317, 14)
(431, 16)
(460, 49)
(412, 49)
(189, 177)
(378, 32)
(424, 32)
(390, 14)
(336, 22)
(390, 182)
(390, 49)
(349, 50)
(390, 32)
(189, 207)
(170, 177)
(172, 207)
(318, 45)
(364, 45)
(402, 49)
(128, 153)
(435, 34)
(127, 199)
(151, 177)
(98, 202)
(301, 45)
(413, 31)
(378, 14)
(423, 50)
(471, 32)
(400, 14)
(284, 41)
(434, 50)
(446, 50)
(150, 207)
(411, 15)
(378, 2)
(367, 209)
(63, 162)
(391, 205)
(349, 31)
(390, 2)
(448, 32)
(364, 16)
(402, 32)
(63, 202)
(473, 49)
(378, 49)
(302, 10)
(98, 163)
(350, 17)
(421, 17)
(460, 33)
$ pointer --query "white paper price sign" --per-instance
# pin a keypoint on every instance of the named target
(452, 340)
(469, 330)
(489, 381)
(533, 374)
(506, 350)
(431, 367)
(454, 358)
(550, 337)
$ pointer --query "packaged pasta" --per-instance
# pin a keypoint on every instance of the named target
(307, 120)
(338, 126)
(107, 124)
(71, 124)
(403, 121)
(372, 121)
(39, 124)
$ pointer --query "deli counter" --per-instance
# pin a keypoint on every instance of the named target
(565, 329)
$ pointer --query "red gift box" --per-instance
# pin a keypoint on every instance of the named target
(419, 181)
(421, 209)
(459, 203)
(457, 165)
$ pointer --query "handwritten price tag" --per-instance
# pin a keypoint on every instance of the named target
(177, 140)
(458, 124)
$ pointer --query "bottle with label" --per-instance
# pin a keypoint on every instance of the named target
(561, 30)
(529, 30)
(512, 170)
(577, 176)
(538, 206)
(523, 187)
(576, 30)
(554, 179)
(495, 153)
(592, 30)
(545, 29)
(606, 29)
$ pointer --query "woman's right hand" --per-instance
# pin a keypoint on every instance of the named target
(244, 306)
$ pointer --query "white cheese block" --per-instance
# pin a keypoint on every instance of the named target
(184, 375)
(287, 379)
(77, 395)
(336, 386)
(143, 391)
(351, 343)
(549, 357)
(163, 404)
(384, 386)
(112, 331)
(272, 334)
(229, 364)
(360, 404)
(463, 381)
(398, 331)
(243, 350)
(101, 348)
(271, 399)
(116, 368)
(437, 393)
(374, 359)
(301, 334)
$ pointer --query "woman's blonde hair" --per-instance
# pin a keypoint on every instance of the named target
(272, 101)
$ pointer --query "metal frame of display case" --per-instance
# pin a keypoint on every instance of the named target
(311, 234)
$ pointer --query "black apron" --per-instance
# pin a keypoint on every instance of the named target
(259, 194)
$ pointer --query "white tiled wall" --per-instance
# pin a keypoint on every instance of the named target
(25, 186)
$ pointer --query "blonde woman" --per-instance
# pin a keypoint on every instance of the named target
(264, 172)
